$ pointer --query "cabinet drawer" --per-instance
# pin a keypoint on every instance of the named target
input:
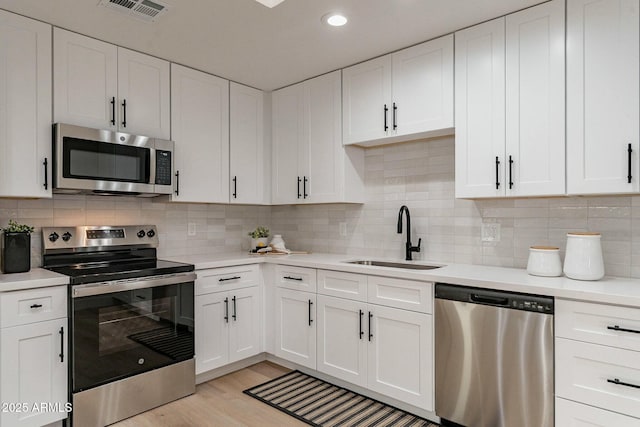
(224, 279)
(296, 278)
(343, 285)
(572, 414)
(399, 293)
(585, 373)
(598, 323)
(33, 305)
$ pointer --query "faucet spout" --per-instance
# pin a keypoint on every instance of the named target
(409, 248)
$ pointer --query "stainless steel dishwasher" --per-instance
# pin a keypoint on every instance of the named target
(494, 358)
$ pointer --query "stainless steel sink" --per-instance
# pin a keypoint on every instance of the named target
(403, 265)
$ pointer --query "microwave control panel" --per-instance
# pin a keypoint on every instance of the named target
(163, 167)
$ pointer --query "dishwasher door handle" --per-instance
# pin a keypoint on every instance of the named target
(486, 299)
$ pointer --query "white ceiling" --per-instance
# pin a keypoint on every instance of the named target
(244, 41)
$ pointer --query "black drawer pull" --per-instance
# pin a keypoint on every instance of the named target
(619, 329)
(629, 151)
(229, 278)
(510, 172)
(299, 181)
(386, 127)
(235, 187)
(36, 306)
(113, 110)
(361, 331)
(618, 382)
(497, 173)
(235, 317)
(370, 334)
(226, 310)
(310, 319)
(299, 279)
(124, 113)
(177, 183)
(395, 112)
(46, 173)
(61, 332)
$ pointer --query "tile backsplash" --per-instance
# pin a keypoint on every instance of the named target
(417, 174)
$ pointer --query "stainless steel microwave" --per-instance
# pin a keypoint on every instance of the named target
(94, 161)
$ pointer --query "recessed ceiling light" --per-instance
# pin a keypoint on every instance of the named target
(335, 19)
(270, 3)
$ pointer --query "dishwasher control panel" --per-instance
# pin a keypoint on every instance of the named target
(496, 298)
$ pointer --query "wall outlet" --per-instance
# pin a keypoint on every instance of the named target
(191, 229)
(343, 229)
(491, 232)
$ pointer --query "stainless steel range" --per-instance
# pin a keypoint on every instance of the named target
(131, 320)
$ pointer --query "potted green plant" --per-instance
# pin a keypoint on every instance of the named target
(15, 255)
(259, 237)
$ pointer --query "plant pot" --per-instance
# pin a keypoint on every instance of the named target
(260, 242)
(15, 256)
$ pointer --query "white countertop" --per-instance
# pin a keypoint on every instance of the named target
(611, 290)
(35, 278)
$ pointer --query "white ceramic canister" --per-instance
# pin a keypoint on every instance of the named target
(583, 260)
(544, 261)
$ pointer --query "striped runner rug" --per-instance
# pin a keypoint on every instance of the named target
(318, 403)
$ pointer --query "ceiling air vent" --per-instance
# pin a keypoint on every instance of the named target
(146, 10)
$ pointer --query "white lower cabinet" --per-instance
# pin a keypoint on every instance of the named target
(296, 326)
(387, 350)
(572, 414)
(227, 327)
(33, 366)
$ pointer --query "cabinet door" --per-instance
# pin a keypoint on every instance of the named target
(33, 367)
(245, 320)
(423, 87)
(322, 154)
(366, 101)
(25, 107)
(535, 141)
(85, 81)
(288, 134)
(143, 85)
(211, 335)
(400, 355)
(342, 341)
(200, 129)
(248, 180)
(602, 96)
(480, 115)
(572, 414)
(296, 327)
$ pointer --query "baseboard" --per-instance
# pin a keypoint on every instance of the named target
(232, 367)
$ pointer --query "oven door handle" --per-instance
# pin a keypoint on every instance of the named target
(90, 289)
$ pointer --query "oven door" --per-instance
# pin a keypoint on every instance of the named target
(124, 328)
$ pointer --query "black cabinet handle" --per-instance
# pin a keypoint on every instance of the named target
(124, 113)
(497, 173)
(618, 382)
(395, 111)
(235, 187)
(619, 329)
(629, 151)
(235, 317)
(34, 306)
(361, 331)
(177, 183)
(310, 319)
(46, 173)
(386, 128)
(304, 187)
(510, 172)
(113, 110)
(226, 310)
(299, 279)
(299, 181)
(229, 278)
(370, 334)
(61, 332)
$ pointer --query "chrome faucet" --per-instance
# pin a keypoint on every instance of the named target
(408, 247)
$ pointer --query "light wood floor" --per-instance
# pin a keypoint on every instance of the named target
(220, 403)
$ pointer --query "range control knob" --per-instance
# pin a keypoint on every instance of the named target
(141, 234)
(53, 237)
(66, 236)
(151, 233)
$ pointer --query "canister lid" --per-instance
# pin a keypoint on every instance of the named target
(583, 233)
(545, 248)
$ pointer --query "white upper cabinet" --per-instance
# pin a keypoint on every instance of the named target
(510, 105)
(602, 96)
(200, 129)
(310, 164)
(404, 95)
(249, 179)
(99, 85)
(535, 95)
(25, 107)
(480, 114)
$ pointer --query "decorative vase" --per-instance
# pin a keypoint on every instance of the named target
(277, 242)
(260, 242)
(583, 259)
(16, 252)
